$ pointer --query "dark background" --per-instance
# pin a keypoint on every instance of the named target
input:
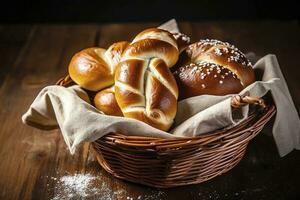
(94, 11)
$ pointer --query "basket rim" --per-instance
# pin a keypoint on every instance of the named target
(177, 162)
(256, 120)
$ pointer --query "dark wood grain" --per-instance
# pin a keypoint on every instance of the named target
(12, 39)
(34, 56)
(37, 154)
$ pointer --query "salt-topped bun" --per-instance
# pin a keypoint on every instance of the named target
(212, 67)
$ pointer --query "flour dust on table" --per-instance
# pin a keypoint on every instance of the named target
(88, 186)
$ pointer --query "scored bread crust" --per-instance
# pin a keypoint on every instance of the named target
(145, 88)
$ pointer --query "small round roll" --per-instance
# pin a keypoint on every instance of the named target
(212, 67)
(105, 101)
(93, 68)
(89, 69)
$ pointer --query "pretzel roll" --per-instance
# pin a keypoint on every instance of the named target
(145, 88)
(105, 101)
(93, 68)
(212, 67)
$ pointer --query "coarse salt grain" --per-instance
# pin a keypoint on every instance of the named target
(225, 49)
(218, 52)
(182, 36)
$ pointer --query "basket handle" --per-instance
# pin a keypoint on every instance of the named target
(238, 101)
(65, 81)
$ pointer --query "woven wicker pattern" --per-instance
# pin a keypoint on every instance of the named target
(165, 163)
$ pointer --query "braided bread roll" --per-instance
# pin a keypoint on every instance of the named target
(145, 88)
(93, 68)
(212, 67)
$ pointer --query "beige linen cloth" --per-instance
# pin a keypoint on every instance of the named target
(68, 109)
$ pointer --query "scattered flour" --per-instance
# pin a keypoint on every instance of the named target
(75, 186)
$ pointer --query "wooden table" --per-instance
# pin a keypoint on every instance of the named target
(33, 56)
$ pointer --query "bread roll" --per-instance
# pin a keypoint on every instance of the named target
(93, 68)
(145, 87)
(105, 101)
(212, 67)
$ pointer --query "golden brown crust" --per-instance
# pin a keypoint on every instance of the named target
(105, 101)
(145, 87)
(93, 68)
(142, 116)
(153, 48)
(89, 70)
(158, 68)
(131, 73)
(126, 97)
(114, 53)
(214, 56)
(159, 97)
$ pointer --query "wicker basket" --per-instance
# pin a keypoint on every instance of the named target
(165, 163)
